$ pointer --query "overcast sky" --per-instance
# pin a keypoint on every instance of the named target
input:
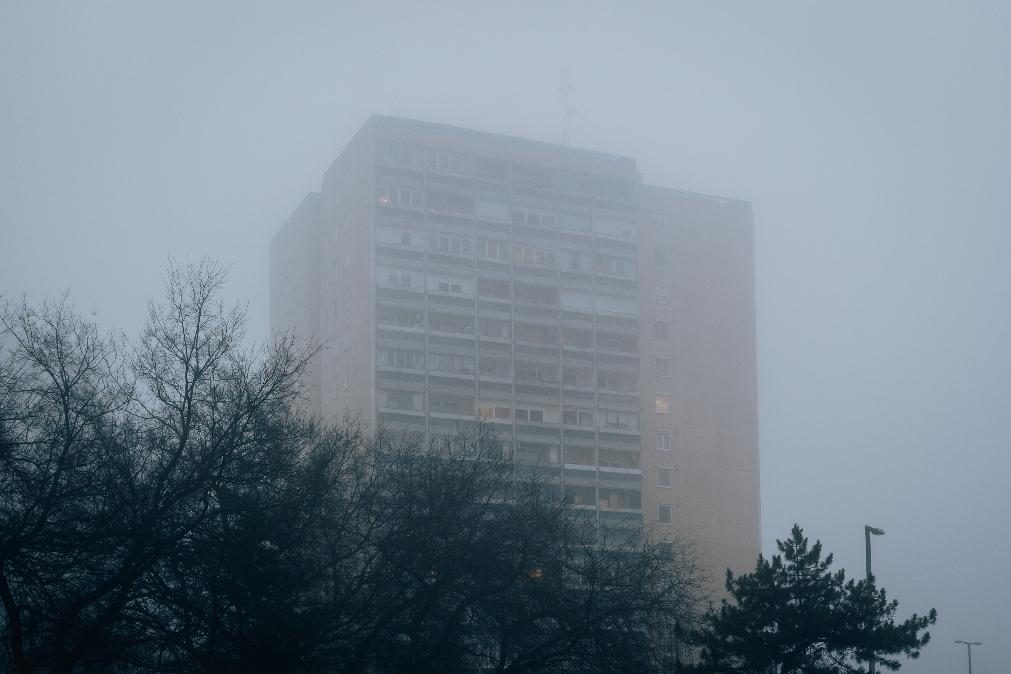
(873, 139)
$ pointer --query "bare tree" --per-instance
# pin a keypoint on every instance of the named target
(472, 564)
(381, 553)
(164, 507)
(58, 405)
(110, 458)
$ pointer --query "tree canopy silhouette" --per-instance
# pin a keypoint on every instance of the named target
(165, 506)
(793, 614)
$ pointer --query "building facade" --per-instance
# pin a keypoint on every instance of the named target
(605, 328)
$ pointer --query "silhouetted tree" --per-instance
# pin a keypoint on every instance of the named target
(475, 565)
(792, 614)
(110, 457)
(164, 506)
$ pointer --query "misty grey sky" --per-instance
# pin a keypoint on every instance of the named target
(873, 139)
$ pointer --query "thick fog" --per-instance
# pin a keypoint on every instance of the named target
(872, 138)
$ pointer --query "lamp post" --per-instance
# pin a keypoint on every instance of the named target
(868, 530)
(968, 648)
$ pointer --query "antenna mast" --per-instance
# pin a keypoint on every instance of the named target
(565, 91)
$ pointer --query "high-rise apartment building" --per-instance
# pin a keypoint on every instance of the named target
(606, 328)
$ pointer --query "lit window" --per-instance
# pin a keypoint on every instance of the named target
(663, 477)
(663, 404)
(665, 513)
(662, 367)
(664, 441)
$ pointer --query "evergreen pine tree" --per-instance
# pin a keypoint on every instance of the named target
(793, 614)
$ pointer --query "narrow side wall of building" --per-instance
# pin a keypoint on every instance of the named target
(295, 262)
(699, 365)
(347, 285)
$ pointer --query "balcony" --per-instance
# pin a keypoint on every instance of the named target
(626, 501)
(399, 287)
(619, 426)
(620, 467)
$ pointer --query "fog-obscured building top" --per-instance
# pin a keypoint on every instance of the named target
(604, 327)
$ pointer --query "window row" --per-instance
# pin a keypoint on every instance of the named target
(463, 404)
(618, 499)
(410, 359)
(457, 203)
(419, 158)
(626, 421)
(400, 197)
(496, 328)
(531, 176)
(617, 266)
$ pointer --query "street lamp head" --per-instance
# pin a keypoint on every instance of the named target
(874, 530)
(969, 643)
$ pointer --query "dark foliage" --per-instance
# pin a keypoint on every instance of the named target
(792, 614)
(165, 507)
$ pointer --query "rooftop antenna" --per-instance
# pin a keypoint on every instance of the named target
(565, 90)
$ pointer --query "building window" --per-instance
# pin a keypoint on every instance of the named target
(449, 162)
(665, 513)
(576, 260)
(577, 418)
(661, 256)
(451, 363)
(663, 477)
(523, 217)
(491, 411)
(616, 266)
(496, 328)
(493, 288)
(663, 404)
(498, 250)
(404, 359)
(661, 330)
(449, 244)
(399, 281)
(662, 367)
(400, 155)
(623, 421)
(405, 239)
(450, 202)
(664, 441)
(662, 294)
(533, 255)
(529, 415)
(400, 400)
(401, 197)
(403, 318)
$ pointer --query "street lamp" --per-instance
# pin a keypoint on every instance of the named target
(968, 648)
(868, 530)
